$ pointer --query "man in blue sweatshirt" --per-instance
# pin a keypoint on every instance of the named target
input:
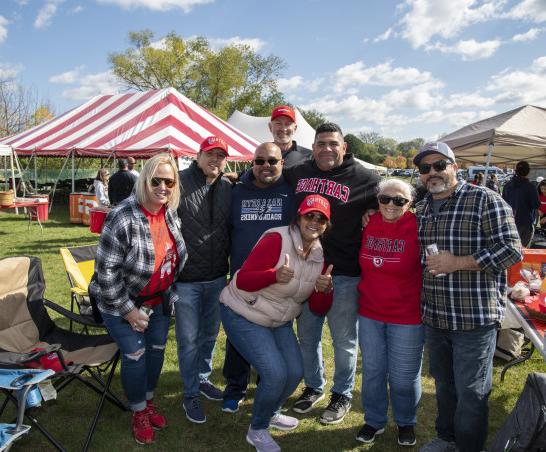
(261, 200)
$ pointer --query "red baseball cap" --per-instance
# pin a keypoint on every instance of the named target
(213, 142)
(315, 203)
(283, 110)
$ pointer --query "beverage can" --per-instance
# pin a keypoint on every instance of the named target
(432, 250)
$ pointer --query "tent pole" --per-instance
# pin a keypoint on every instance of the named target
(56, 181)
(488, 162)
(73, 181)
(13, 178)
(35, 170)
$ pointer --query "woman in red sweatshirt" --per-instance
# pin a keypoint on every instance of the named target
(390, 332)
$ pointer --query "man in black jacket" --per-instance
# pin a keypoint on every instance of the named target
(522, 196)
(121, 184)
(204, 211)
(351, 190)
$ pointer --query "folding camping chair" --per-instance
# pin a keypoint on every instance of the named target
(25, 326)
(79, 262)
(17, 385)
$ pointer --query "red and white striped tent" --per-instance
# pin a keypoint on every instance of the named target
(138, 124)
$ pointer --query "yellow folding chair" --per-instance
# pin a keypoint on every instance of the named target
(79, 262)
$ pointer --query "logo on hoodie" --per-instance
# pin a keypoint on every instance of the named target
(325, 187)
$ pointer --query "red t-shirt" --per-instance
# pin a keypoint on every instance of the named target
(166, 256)
(390, 284)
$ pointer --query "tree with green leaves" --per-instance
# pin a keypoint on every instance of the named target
(231, 78)
(313, 117)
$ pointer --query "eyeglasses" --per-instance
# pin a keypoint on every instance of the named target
(319, 218)
(440, 165)
(397, 200)
(156, 182)
(261, 162)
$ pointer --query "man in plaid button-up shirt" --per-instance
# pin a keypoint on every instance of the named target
(464, 291)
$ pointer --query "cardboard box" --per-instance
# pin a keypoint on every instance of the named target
(532, 260)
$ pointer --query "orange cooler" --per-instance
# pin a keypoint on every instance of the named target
(75, 215)
(87, 202)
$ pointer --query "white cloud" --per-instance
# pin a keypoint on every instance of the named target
(384, 36)
(290, 84)
(93, 85)
(158, 5)
(469, 49)
(8, 71)
(3, 28)
(429, 18)
(77, 9)
(534, 10)
(67, 77)
(422, 97)
(381, 75)
(468, 100)
(521, 86)
(254, 43)
(527, 36)
(46, 13)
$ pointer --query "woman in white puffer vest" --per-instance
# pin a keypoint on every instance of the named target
(284, 269)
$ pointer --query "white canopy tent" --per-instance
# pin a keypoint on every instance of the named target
(10, 165)
(258, 128)
(515, 135)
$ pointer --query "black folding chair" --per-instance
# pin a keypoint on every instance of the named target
(25, 326)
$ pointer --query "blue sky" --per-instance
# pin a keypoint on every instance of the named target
(415, 68)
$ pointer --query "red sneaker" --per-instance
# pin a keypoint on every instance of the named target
(142, 429)
(157, 420)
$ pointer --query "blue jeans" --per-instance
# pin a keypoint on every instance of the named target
(390, 352)
(197, 323)
(461, 363)
(342, 320)
(142, 354)
(276, 356)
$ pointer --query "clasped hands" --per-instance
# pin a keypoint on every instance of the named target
(138, 320)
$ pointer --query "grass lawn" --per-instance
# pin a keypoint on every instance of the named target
(69, 416)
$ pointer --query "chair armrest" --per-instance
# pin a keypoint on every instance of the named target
(87, 321)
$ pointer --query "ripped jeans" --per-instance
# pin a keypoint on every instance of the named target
(142, 355)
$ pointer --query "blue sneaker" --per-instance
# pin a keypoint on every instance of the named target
(231, 405)
(194, 410)
(210, 391)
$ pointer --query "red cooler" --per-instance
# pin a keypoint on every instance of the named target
(97, 217)
(40, 212)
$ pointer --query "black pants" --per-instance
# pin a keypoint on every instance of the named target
(236, 371)
(526, 233)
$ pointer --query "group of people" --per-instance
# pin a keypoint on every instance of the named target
(110, 191)
(290, 234)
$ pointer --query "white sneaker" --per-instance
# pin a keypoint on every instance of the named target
(262, 440)
(283, 422)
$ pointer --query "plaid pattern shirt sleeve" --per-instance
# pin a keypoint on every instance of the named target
(473, 221)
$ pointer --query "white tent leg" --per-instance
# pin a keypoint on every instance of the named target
(488, 161)
(73, 181)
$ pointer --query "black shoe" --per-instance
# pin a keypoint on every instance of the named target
(307, 400)
(336, 410)
(367, 434)
(406, 436)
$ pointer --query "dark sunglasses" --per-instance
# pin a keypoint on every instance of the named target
(156, 182)
(262, 161)
(440, 165)
(397, 200)
(320, 219)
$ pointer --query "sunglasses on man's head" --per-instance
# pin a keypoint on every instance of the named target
(319, 218)
(440, 165)
(156, 182)
(397, 200)
(261, 162)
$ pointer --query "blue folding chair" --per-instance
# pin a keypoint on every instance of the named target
(19, 385)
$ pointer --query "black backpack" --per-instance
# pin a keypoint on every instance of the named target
(524, 429)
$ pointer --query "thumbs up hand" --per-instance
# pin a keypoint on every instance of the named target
(285, 273)
(324, 281)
